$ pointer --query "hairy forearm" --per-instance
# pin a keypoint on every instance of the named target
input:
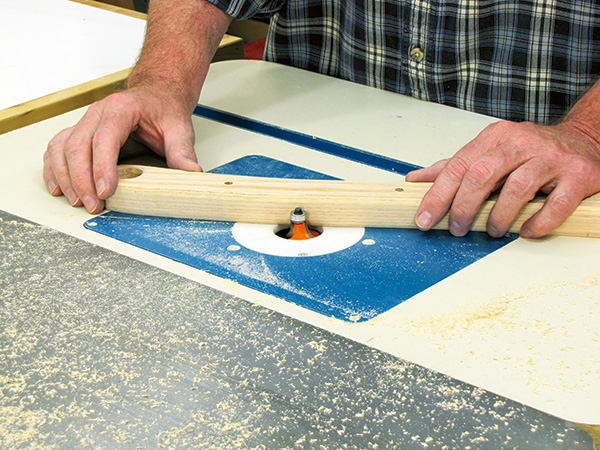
(584, 116)
(181, 39)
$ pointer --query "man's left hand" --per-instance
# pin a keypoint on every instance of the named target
(520, 159)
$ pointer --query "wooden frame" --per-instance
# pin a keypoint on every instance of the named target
(51, 105)
(113, 8)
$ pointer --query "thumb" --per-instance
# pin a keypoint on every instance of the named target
(179, 150)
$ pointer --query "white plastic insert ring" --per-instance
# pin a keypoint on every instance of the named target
(262, 238)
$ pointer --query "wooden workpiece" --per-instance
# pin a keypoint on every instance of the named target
(193, 195)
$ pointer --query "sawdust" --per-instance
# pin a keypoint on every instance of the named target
(122, 355)
(258, 269)
(527, 329)
(19, 426)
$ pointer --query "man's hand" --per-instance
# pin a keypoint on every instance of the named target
(521, 159)
(81, 161)
(181, 39)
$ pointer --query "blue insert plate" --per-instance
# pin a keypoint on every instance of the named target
(354, 284)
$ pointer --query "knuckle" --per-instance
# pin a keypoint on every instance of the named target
(94, 108)
(51, 149)
(502, 128)
(480, 172)
(74, 145)
(562, 205)
(581, 168)
(515, 136)
(110, 105)
(56, 144)
(518, 185)
(111, 102)
(461, 213)
(100, 137)
(457, 167)
(116, 102)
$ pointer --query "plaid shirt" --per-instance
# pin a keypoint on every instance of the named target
(512, 59)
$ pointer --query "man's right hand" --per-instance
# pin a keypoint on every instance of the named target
(81, 161)
(181, 39)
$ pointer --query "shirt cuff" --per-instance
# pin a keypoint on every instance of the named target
(245, 9)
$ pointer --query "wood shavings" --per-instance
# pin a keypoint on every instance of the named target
(123, 355)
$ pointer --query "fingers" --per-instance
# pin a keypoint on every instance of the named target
(52, 159)
(559, 205)
(519, 189)
(108, 138)
(179, 147)
(423, 219)
(56, 168)
(427, 174)
(522, 159)
(464, 182)
(449, 176)
(464, 197)
(440, 196)
(80, 162)
(78, 156)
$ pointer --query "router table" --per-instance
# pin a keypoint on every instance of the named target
(130, 331)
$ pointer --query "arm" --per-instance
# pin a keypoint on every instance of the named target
(181, 38)
(561, 160)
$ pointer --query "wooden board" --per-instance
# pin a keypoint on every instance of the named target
(62, 101)
(174, 193)
(114, 6)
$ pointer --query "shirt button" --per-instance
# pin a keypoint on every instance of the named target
(416, 55)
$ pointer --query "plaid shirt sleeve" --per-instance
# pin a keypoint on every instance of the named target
(244, 9)
(512, 59)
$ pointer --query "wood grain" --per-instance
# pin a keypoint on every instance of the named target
(173, 193)
(62, 101)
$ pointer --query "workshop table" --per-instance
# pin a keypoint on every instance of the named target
(105, 343)
(59, 55)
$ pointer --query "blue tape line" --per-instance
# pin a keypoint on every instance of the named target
(305, 140)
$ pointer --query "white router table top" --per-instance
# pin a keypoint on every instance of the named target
(524, 322)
